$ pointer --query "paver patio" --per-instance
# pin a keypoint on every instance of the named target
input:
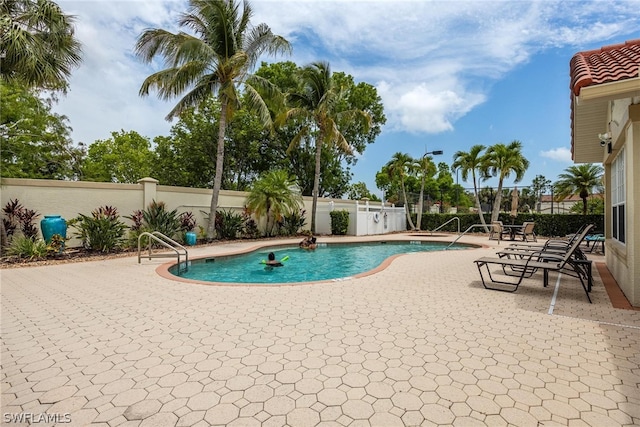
(419, 343)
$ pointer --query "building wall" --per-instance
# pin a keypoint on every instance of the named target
(633, 250)
(558, 207)
(622, 259)
(68, 199)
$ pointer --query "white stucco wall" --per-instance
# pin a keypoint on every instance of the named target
(68, 199)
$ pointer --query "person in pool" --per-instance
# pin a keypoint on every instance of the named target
(308, 243)
(272, 261)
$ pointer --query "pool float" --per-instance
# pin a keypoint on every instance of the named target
(276, 263)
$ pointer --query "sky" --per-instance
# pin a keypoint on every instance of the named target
(451, 74)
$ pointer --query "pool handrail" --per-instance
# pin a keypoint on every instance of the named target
(454, 218)
(465, 232)
(168, 243)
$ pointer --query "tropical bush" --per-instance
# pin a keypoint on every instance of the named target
(56, 244)
(157, 218)
(25, 247)
(229, 224)
(102, 231)
(291, 223)
(187, 224)
(187, 221)
(595, 206)
(339, 222)
(274, 195)
(250, 226)
(17, 217)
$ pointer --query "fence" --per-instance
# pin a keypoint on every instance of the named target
(379, 219)
(70, 198)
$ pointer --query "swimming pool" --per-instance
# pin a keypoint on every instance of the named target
(327, 262)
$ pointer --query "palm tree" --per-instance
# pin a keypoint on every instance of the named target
(425, 168)
(398, 167)
(38, 44)
(216, 60)
(581, 180)
(501, 161)
(475, 163)
(317, 107)
(275, 194)
(539, 185)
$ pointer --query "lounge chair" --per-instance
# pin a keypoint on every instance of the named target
(555, 243)
(527, 231)
(555, 247)
(498, 231)
(594, 241)
(572, 262)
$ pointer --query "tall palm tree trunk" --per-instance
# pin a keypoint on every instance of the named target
(406, 205)
(480, 213)
(478, 205)
(316, 183)
(217, 180)
(497, 202)
(269, 226)
(584, 195)
(420, 204)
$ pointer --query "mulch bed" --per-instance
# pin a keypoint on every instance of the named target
(68, 256)
(79, 255)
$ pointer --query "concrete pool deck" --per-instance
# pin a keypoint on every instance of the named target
(421, 342)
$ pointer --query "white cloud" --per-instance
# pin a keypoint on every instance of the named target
(431, 61)
(418, 109)
(561, 154)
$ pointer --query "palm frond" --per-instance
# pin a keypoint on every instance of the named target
(38, 44)
(172, 82)
(256, 102)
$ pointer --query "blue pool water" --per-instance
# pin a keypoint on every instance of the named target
(333, 261)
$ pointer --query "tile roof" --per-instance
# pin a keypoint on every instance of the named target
(608, 64)
(547, 198)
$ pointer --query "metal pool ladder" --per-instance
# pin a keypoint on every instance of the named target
(455, 218)
(465, 232)
(177, 250)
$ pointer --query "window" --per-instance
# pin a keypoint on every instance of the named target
(618, 198)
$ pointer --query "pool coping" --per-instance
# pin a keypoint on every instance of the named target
(163, 269)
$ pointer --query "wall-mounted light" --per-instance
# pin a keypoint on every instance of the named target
(604, 138)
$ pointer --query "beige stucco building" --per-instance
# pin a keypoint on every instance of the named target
(605, 125)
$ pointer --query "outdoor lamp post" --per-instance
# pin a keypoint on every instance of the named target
(435, 153)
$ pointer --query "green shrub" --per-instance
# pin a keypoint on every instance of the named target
(250, 226)
(292, 223)
(102, 231)
(157, 218)
(25, 247)
(187, 221)
(17, 216)
(56, 244)
(339, 222)
(546, 224)
(228, 224)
